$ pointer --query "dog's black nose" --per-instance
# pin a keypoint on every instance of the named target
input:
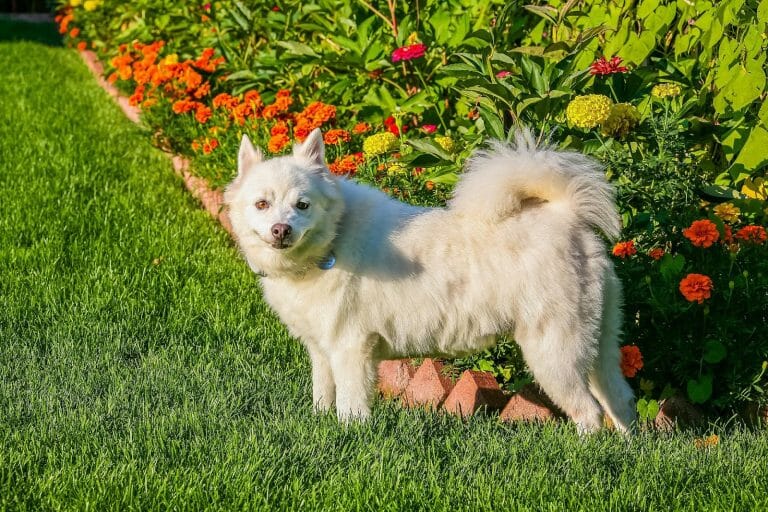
(280, 231)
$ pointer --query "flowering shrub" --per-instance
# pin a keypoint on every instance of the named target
(669, 96)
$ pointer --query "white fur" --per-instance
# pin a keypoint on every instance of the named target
(514, 252)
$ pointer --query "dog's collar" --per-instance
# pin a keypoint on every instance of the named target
(325, 263)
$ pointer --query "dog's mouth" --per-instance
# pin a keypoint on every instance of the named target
(281, 245)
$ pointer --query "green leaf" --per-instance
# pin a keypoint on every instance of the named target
(753, 154)
(700, 390)
(430, 147)
(671, 266)
(714, 351)
(298, 48)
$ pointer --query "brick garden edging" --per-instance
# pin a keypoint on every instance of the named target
(425, 386)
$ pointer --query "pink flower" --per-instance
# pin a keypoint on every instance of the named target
(411, 52)
(429, 128)
(607, 67)
(503, 74)
(207, 7)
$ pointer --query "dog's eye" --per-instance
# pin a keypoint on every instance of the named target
(262, 205)
(302, 205)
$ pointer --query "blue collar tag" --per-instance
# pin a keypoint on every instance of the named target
(328, 262)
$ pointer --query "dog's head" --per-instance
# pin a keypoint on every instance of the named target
(284, 211)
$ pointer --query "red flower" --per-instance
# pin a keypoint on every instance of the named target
(429, 128)
(411, 52)
(656, 253)
(503, 74)
(702, 233)
(607, 67)
(696, 287)
(631, 360)
(624, 249)
(391, 126)
(753, 234)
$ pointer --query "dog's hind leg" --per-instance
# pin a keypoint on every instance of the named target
(606, 380)
(561, 367)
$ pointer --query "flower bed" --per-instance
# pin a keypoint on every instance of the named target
(404, 96)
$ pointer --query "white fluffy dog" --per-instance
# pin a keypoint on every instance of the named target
(360, 277)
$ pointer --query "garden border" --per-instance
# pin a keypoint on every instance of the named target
(426, 386)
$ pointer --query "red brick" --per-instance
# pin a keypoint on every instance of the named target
(677, 411)
(530, 404)
(473, 391)
(429, 387)
(394, 377)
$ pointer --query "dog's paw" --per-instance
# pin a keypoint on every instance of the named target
(348, 416)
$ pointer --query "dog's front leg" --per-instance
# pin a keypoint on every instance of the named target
(355, 373)
(323, 386)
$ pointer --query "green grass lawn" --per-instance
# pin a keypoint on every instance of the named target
(140, 369)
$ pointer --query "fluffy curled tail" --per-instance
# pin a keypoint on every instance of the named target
(499, 180)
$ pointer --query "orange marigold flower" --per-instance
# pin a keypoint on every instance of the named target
(270, 112)
(702, 233)
(278, 142)
(318, 113)
(184, 106)
(280, 128)
(151, 102)
(631, 360)
(753, 234)
(112, 78)
(302, 129)
(696, 287)
(624, 249)
(347, 164)
(74, 32)
(125, 72)
(225, 100)
(210, 145)
(728, 234)
(253, 100)
(82, 46)
(202, 113)
(336, 136)
(195, 146)
(137, 96)
(656, 253)
(203, 90)
(240, 112)
(361, 128)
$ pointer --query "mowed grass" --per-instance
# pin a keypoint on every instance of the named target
(140, 369)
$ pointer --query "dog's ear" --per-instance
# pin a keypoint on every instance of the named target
(247, 156)
(313, 148)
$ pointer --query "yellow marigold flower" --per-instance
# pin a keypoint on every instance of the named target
(379, 144)
(446, 143)
(588, 111)
(75, 3)
(727, 211)
(396, 168)
(666, 90)
(755, 188)
(91, 5)
(171, 59)
(621, 119)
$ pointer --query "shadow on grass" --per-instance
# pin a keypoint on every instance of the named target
(19, 30)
